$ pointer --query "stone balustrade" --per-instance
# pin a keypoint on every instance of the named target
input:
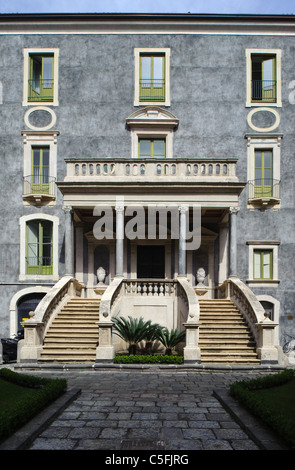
(145, 168)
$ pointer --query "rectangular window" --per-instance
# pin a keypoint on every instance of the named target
(154, 148)
(263, 68)
(264, 83)
(263, 186)
(263, 264)
(152, 77)
(39, 247)
(40, 170)
(41, 76)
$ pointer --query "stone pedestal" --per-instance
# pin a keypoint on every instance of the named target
(267, 352)
(191, 351)
(32, 345)
(105, 351)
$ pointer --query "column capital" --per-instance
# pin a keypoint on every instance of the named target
(67, 209)
(183, 209)
(234, 210)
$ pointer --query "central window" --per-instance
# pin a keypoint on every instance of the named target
(152, 77)
(155, 148)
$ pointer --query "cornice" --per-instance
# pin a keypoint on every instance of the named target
(147, 24)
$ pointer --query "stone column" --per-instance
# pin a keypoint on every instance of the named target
(119, 238)
(182, 241)
(233, 241)
(69, 270)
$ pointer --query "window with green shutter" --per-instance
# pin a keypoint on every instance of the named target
(264, 81)
(263, 173)
(40, 77)
(152, 77)
(40, 170)
(154, 148)
(263, 264)
(39, 247)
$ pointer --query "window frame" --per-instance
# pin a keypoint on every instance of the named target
(23, 276)
(140, 52)
(34, 139)
(152, 142)
(39, 244)
(272, 53)
(262, 142)
(43, 52)
(263, 246)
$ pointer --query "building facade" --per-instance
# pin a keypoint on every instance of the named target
(122, 131)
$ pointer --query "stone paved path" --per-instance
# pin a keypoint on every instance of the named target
(145, 411)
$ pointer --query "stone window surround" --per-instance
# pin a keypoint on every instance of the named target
(55, 53)
(40, 139)
(23, 240)
(150, 50)
(152, 122)
(263, 142)
(263, 245)
(278, 54)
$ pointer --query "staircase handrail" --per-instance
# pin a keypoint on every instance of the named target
(35, 328)
(66, 285)
(246, 300)
(108, 299)
(190, 297)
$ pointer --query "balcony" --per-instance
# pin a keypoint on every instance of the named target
(264, 91)
(264, 192)
(151, 170)
(152, 90)
(40, 90)
(39, 189)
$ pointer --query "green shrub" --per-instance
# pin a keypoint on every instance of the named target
(44, 391)
(266, 410)
(148, 359)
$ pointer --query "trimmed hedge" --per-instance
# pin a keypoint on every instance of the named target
(242, 391)
(148, 359)
(45, 392)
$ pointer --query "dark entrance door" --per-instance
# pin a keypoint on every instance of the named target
(151, 262)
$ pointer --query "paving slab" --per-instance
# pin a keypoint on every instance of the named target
(146, 410)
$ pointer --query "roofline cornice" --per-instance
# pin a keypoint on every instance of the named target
(135, 23)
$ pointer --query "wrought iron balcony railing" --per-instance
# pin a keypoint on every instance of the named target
(152, 90)
(40, 90)
(39, 265)
(39, 185)
(264, 188)
(264, 91)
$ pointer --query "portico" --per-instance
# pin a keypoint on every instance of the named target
(120, 213)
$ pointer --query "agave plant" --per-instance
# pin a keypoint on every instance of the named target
(170, 338)
(133, 330)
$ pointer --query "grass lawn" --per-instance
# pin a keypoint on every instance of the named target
(11, 393)
(22, 397)
(271, 401)
(281, 398)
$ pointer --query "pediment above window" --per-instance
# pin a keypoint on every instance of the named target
(152, 116)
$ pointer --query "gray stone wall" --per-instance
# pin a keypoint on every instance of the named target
(96, 93)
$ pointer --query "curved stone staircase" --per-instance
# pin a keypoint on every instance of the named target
(225, 337)
(73, 334)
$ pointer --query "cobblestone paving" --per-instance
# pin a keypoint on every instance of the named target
(134, 410)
